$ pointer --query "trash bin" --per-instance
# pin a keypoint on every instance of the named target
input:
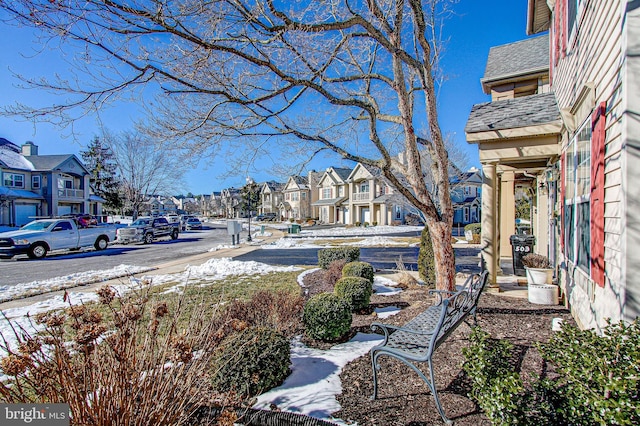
(521, 245)
(294, 228)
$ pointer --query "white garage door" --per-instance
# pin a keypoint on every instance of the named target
(25, 213)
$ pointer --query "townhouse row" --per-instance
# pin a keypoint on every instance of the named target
(349, 197)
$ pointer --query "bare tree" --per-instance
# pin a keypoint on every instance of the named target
(145, 167)
(355, 77)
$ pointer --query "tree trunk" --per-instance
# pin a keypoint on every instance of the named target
(445, 261)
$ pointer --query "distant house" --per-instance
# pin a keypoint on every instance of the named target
(299, 196)
(271, 196)
(42, 185)
(231, 202)
(466, 190)
(333, 190)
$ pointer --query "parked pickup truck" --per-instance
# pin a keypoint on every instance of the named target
(148, 229)
(37, 238)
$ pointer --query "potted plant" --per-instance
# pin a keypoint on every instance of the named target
(538, 268)
(539, 278)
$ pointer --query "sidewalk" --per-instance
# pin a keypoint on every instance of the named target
(172, 267)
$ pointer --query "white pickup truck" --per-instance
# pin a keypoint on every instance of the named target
(37, 238)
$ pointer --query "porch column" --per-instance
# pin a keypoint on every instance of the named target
(490, 255)
(507, 212)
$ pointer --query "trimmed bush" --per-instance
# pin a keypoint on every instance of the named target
(426, 260)
(252, 361)
(326, 317)
(328, 255)
(355, 290)
(475, 228)
(358, 269)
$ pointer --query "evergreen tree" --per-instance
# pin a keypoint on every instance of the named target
(100, 161)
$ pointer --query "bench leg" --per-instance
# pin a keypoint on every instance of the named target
(374, 368)
(429, 381)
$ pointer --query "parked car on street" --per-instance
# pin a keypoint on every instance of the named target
(267, 217)
(147, 230)
(37, 238)
(193, 223)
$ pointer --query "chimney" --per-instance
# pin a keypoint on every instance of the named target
(29, 149)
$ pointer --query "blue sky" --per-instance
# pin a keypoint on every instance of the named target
(476, 26)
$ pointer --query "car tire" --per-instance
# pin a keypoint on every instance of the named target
(37, 251)
(148, 238)
(101, 243)
(174, 234)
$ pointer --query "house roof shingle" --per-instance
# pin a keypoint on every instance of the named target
(519, 58)
(513, 113)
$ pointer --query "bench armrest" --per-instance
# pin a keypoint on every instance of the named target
(440, 293)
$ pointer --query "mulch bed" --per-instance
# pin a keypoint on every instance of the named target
(403, 398)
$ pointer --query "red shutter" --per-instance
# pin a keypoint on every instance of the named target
(598, 136)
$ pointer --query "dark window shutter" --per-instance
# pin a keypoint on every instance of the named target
(598, 137)
(563, 174)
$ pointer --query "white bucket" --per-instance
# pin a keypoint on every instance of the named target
(543, 294)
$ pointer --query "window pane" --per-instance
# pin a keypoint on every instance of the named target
(583, 231)
(583, 156)
(569, 233)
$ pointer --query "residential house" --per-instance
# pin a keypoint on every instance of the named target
(271, 196)
(586, 195)
(216, 208)
(231, 202)
(372, 200)
(333, 191)
(517, 135)
(466, 196)
(20, 200)
(299, 195)
(42, 185)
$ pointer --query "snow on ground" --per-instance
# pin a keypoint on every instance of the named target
(385, 287)
(314, 382)
(375, 241)
(12, 292)
(215, 270)
(361, 230)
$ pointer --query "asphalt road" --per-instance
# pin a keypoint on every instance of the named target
(380, 258)
(23, 270)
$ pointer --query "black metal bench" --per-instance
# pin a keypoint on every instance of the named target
(417, 340)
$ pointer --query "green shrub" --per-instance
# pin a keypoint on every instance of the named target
(355, 290)
(358, 223)
(374, 223)
(597, 382)
(328, 255)
(252, 361)
(426, 260)
(599, 376)
(358, 269)
(326, 317)
(475, 228)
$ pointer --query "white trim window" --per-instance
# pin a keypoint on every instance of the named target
(326, 193)
(36, 182)
(13, 180)
(577, 211)
(397, 212)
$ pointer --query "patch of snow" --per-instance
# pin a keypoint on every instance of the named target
(387, 311)
(289, 243)
(376, 241)
(359, 230)
(217, 269)
(314, 382)
(12, 292)
(222, 247)
(385, 287)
